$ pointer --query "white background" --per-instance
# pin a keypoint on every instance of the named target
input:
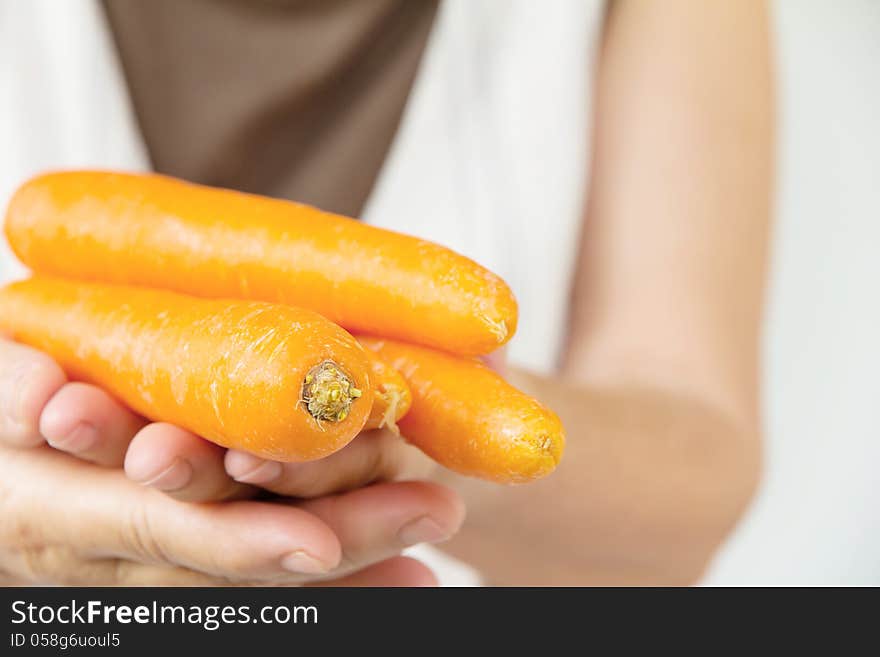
(817, 519)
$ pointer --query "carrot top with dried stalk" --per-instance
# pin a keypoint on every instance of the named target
(328, 392)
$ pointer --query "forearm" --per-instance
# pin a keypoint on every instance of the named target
(650, 484)
(658, 387)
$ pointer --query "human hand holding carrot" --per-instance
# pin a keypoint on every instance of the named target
(86, 422)
(69, 522)
(281, 393)
(65, 515)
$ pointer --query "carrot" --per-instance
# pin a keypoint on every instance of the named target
(391, 395)
(160, 232)
(278, 381)
(467, 418)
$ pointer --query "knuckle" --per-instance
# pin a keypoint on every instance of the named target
(18, 531)
(386, 458)
(375, 460)
(142, 540)
(125, 573)
(312, 481)
(377, 464)
(139, 537)
(308, 480)
(37, 379)
(50, 564)
(19, 527)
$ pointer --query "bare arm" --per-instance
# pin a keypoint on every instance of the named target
(658, 389)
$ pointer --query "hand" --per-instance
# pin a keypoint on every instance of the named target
(71, 521)
(66, 521)
(86, 422)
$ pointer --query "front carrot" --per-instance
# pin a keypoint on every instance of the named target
(467, 418)
(281, 382)
(160, 232)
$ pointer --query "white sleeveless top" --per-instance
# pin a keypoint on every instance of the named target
(490, 159)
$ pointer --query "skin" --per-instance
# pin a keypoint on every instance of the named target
(658, 385)
(142, 529)
(659, 382)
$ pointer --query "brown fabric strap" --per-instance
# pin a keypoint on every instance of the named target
(297, 99)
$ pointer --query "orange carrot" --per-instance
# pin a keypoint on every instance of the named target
(391, 395)
(278, 381)
(467, 418)
(160, 232)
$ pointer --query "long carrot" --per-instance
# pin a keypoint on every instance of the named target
(278, 381)
(391, 395)
(160, 232)
(467, 418)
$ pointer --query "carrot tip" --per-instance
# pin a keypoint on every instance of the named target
(497, 328)
(549, 447)
(392, 397)
(328, 392)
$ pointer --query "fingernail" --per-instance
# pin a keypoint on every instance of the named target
(302, 562)
(422, 530)
(250, 469)
(261, 474)
(82, 437)
(174, 477)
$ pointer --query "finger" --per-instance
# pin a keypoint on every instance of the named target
(240, 541)
(83, 420)
(181, 464)
(28, 378)
(247, 540)
(497, 360)
(372, 456)
(396, 571)
(99, 513)
(379, 521)
(119, 572)
(48, 567)
(128, 573)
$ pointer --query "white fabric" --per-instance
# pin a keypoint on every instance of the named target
(490, 157)
(490, 161)
(62, 98)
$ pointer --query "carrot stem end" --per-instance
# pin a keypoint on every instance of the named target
(328, 392)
